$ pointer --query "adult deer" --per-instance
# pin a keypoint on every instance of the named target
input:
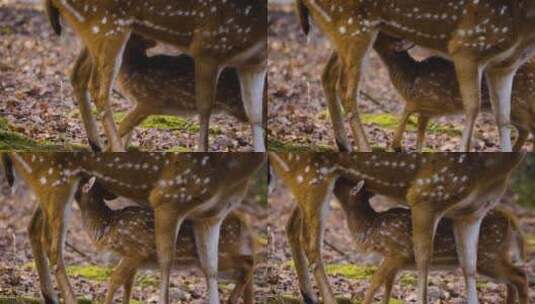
(159, 85)
(216, 34)
(491, 36)
(202, 187)
(462, 187)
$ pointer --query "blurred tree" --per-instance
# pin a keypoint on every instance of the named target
(524, 182)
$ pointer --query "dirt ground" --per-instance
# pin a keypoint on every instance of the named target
(298, 117)
(36, 95)
(88, 268)
(349, 272)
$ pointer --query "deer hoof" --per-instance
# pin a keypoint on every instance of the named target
(308, 299)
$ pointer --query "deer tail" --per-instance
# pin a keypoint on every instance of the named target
(53, 16)
(304, 16)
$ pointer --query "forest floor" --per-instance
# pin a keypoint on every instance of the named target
(350, 272)
(88, 269)
(37, 100)
(298, 118)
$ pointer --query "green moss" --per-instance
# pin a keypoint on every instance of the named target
(147, 280)
(408, 279)
(90, 272)
(351, 271)
(179, 149)
(169, 122)
(391, 121)
(530, 242)
(275, 145)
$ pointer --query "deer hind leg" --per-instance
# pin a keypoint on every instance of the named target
(130, 121)
(423, 231)
(500, 83)
(466, 231)
(385, 275)
(253, 81)
(329, 78)
(521, 139)
(244, 268)
(515, 277)
(107, 56)
(423, 122)
(398, 135)
(123, 275)
(294, 234)
(354, 59)
(469, 78)
(207, 240)
(206, 76)
(36, 233)
(80, 77)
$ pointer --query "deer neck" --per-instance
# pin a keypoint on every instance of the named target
(96, 216)
(360, 214)
(400, 67)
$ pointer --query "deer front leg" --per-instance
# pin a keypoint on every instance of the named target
(107, 57)
(133, 119)
(252, 81)
(469, 77)
(167, 224)
(423, 122)
(521, 140)
(294, 234)
(354, 60)
(123, 275)
(329, 80)
(207, 241)
(80, 77)
(466, 231)
(500, 83)
(36, 233)
(398, 135)
(206, 75)
(384, 275)
(424, 222)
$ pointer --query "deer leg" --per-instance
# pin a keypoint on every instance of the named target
(466, 231)
(329, 78)
(80, 77)
(398, 135)
(521, 140)
(244, 279)
(294, 234)
(252, 82)
(469, 78)
(500, 83)
(122, 275)
(354, 64)
(423, 231)
(383, 276)
(248, 291)
(35, 231)
(207, 241)
(107, 57)
(206, 76)
(423, 122)
(130, 121)
(167, 225)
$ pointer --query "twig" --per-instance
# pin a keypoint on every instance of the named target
(339, 251)
(375, 101)
(81, 253)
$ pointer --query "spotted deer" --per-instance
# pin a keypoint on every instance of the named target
(490, 36)
(388, 234)
(216, 34)
(201, 187)
(159, 85)
(129, 232)
(459, 186)
(430, 89)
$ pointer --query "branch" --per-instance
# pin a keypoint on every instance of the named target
(79, 252)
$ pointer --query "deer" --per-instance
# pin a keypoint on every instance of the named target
(388, 234)
(204, 188)
(429, 89)
(216, 35)
(129, 232)
(480, 37)
(460, 186)
(159, 85)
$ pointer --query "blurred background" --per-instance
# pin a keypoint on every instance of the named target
(89, 270)
(349, 272)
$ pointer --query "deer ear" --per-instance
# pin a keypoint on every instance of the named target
(358, 187)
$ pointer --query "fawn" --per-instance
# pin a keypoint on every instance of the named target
(129, 232)
(158, 85)
(388, 234)
(460, 186)
(488, 36)
(216, 34)
(202, 187)
(430, 89)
